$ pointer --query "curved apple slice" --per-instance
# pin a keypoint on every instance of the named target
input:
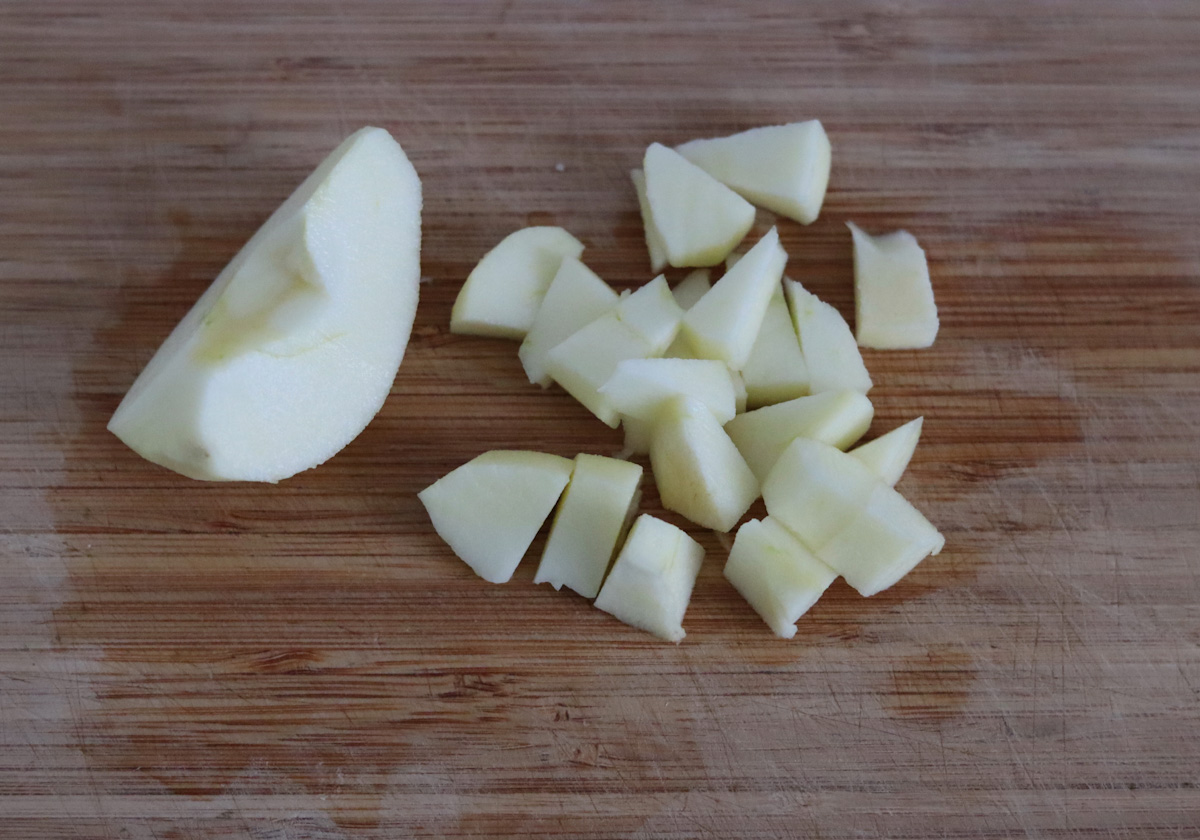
(293, 348)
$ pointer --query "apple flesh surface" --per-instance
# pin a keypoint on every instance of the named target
(651, 581)
(776, 370)
(654, 240)
(576, 297)
(893, 296)
(784, 168)
(829, 348)
(592, 516)
(698, 470)
(691, 288)
(700, 219)
(837, 418)
(888, 455)
(293, 348)
(502, 294)
(489, 510)
(640, 387)
(776, 574)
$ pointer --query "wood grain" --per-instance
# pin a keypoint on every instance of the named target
(307, 660)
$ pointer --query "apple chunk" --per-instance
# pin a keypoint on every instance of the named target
(651, 581)
(888, 455)
(293, 348)
(489, 510)
(592, 517)
(776, 574)
(576, 297)
(501, 295)
(784, 168)
(639, 387)
(830, 351)
(776, 370)
(893, 297)
(654, 240)
(692, 288)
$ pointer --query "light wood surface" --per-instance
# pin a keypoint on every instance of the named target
(307, 660)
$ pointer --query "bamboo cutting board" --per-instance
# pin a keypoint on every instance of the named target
(182, 660)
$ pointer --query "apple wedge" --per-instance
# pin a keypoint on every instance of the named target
(698, 470)
(640, 387)
(576, 297)
(641, 326)
(829, 348)
(776, 574)
(776, 370)
(592, 517)
(637, 436)
(837, 418)
(893, 296)
(501, 295)
(691, 288)
(699, 219)
(888, 455)
(293, 348)
(848, 516)
(489, 510)
(725, 322)
(651, 581)
(654, 240)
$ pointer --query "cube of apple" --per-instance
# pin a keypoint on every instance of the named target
(829, 348)
(489, 510)
(775, 371)
(893, 297)
(503, 292)
(576, 297)
(888, 455)
(700, 219)
(725, 322)
(784, 168)
(651, 581)
(838, 418)
(698, 470)
(592, 517)
(640, 326)
(654, 240)
(776, 574)
(640, 387)
(847, 516)
(692, 288)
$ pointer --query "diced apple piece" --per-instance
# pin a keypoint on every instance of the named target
(740, 395)
(651, 581)
(847, 516)
(700, 219)
(503, 292)
(893, 296)
(776, 574)
(641, 326)
(654, 240)
(838, 418)
(639, 387)
(888, 456)
(698, 470)
(725, 322)
(591, 519)
(293, 348)
(576, 297)
(784, 168)
(692, 288)
(637, 436)
(829, 349)
(489, 510)
(776, 371)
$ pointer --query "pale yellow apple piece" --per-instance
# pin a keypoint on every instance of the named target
(591, 519)
(699, 472)
(888, 455)
(691, 288)
(775, 371)
(489, 510)
(784, 168)
(654, 241)
(637, 436)
(725, 322)
(293, 348)
(838, 418)
(651, 580)
(829, 349)
(700, 219)
(501, 295)
(576, 297)
(776, 574)
(741, 395)
(639, 387)
(893, 296)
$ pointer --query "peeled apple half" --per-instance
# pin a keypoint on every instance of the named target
(293, 348)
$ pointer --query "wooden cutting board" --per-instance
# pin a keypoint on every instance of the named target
(181, 659)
